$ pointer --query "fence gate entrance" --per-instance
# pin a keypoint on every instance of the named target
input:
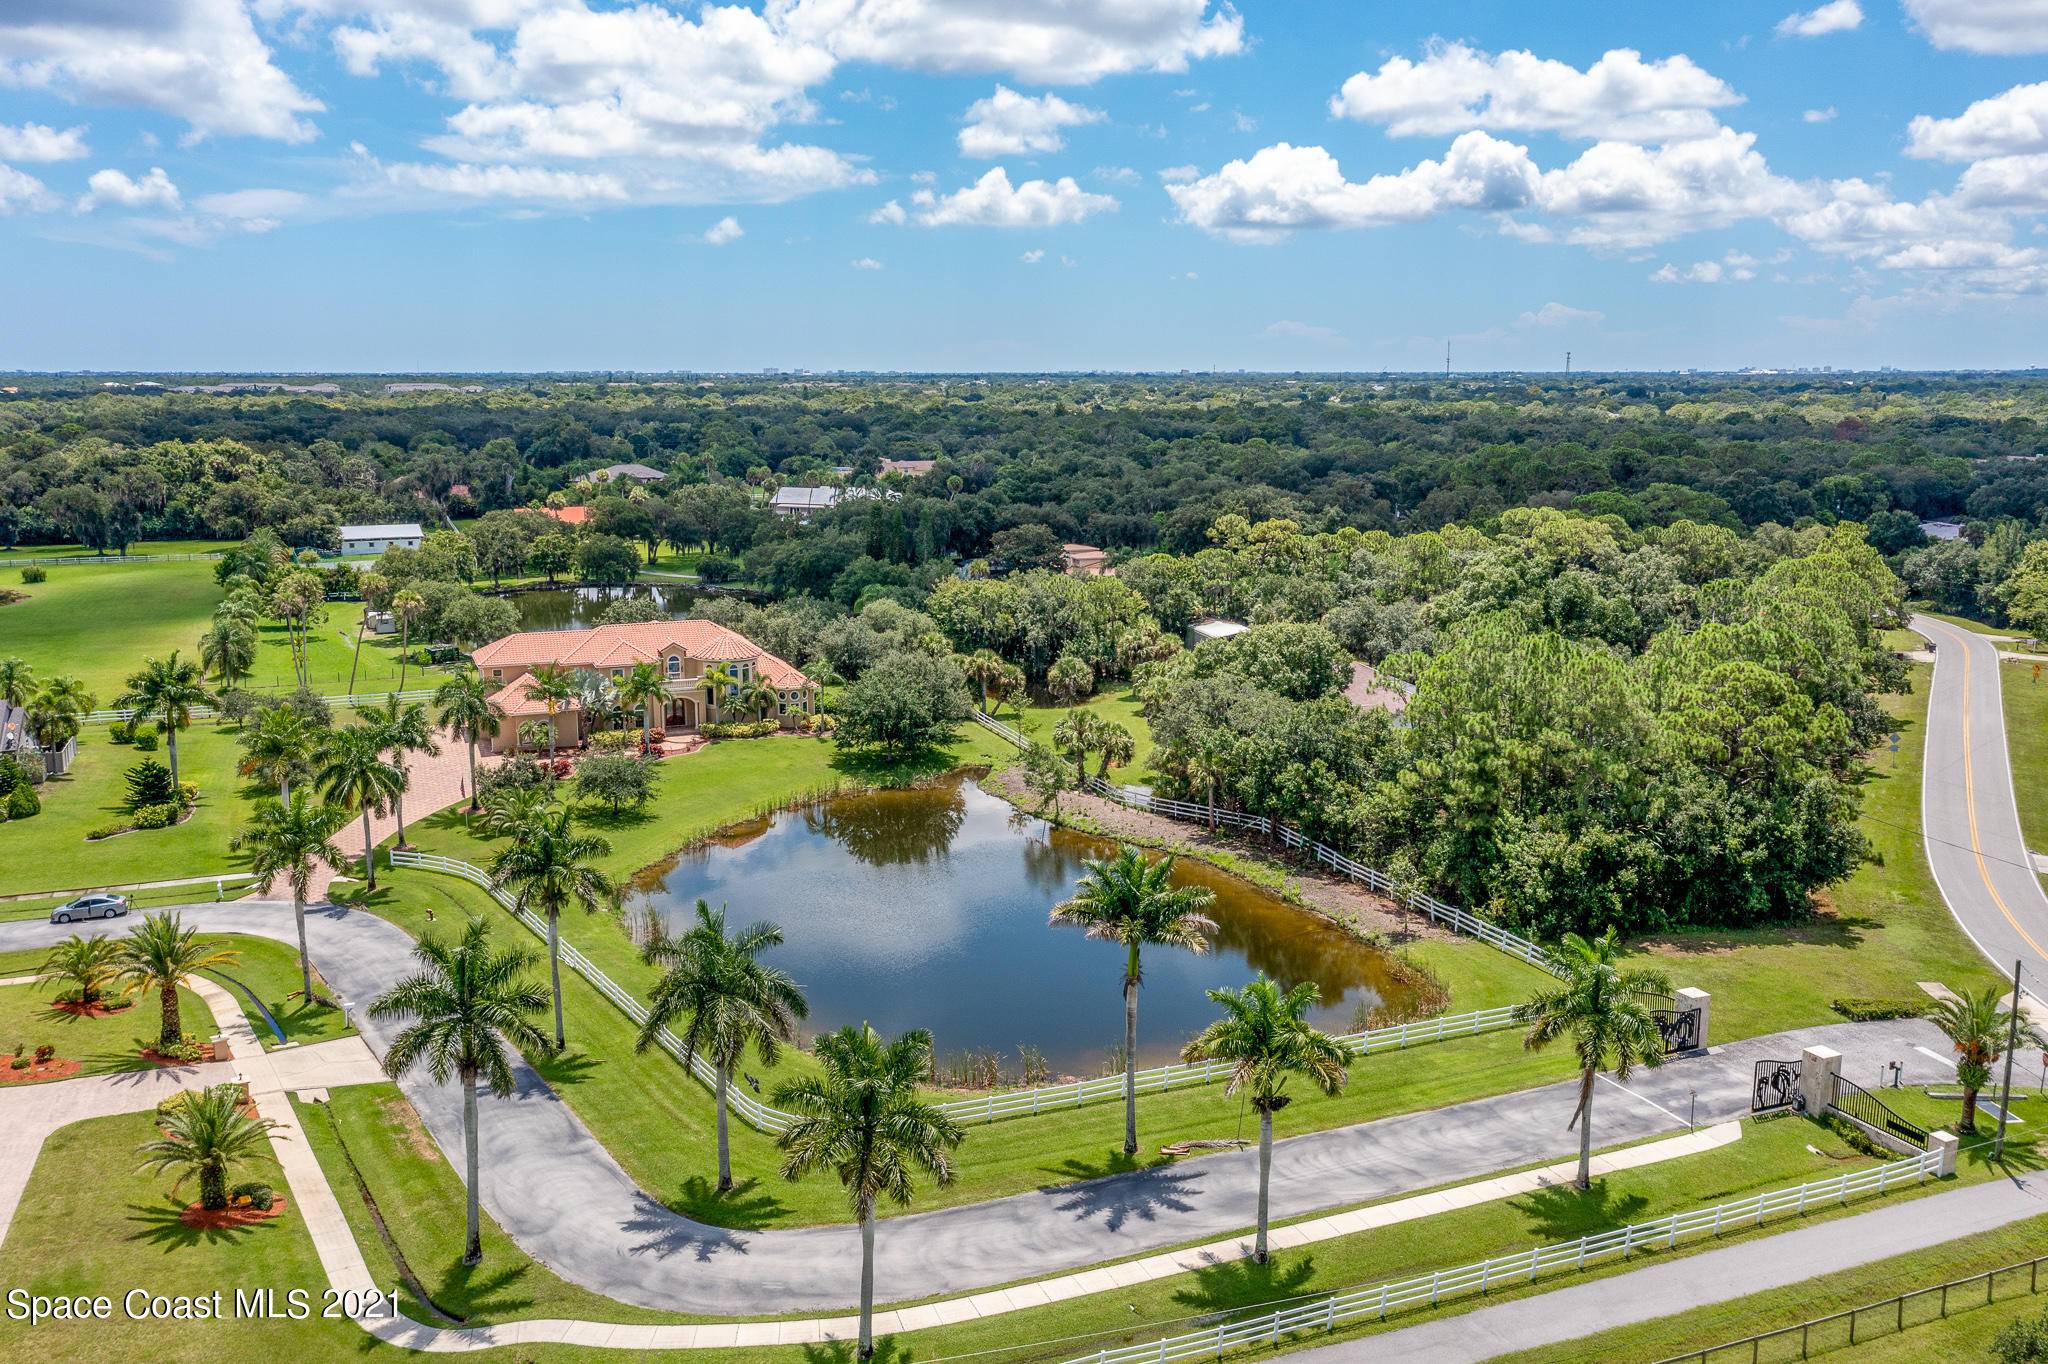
(1776, 1087)
(1680, 1031)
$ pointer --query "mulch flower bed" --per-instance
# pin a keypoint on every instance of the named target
(56, 1068)
(97, 1009)
(200, 1219)
(158, 1059)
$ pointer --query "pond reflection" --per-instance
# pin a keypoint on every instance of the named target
(928, 908)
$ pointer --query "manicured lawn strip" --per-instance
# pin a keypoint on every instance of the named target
(271, 969)
(2026, 736)
(140, 548)
(101, 1046)
(49, 851)
(1115, 702)
(1975, 627)
(1962, 1336)
(1888, 927)
(140, 901)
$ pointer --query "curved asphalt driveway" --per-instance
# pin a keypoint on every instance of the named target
(1969, 815)
(567, 1203)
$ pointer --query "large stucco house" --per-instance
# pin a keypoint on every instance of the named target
(683, 650)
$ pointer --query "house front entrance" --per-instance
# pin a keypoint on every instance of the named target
(681, 713)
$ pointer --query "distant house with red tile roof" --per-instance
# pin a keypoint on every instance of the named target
(683, 650)
(909, 468)
(1369, 691)
(568, 516)
(1084, 561)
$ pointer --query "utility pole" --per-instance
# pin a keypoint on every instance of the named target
(1447, 359)
(1567, 364)
(2012, 1042)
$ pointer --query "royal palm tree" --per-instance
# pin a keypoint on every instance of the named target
(466, 1004)
(354, 774)
(290, 841)
(207, 1135)
(983, 669)
(1978, 1026)
(639, 689)
(166, 689)
(408, 606)
(90, 965)
(464, 706)
(728, 999)
(376, 589)
(1265, 1036)
(1605, 1011)
(403, 728)
(554, 687)
(1126, 899)
(280, 746)
(861, 1118)
(160, 955)
(548, 867)
(228, 649)
(17, 680)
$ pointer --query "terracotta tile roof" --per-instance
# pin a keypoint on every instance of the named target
(621, 646)
(568, 516)
(1368, 691)
(519, 704)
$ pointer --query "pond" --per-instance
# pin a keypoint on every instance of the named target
(928, 908)
(564, 608)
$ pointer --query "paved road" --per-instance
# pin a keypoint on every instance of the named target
(569, 1204)
(1968, 813)
(1714, 1276)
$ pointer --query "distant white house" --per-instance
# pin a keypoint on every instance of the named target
(639, 473)
(377, 539)
(1206, 631)
(1942, 530)
(802, 502)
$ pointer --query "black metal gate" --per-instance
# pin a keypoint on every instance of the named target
(1776, 1087)
(1680, 1031)
(1860, 1104)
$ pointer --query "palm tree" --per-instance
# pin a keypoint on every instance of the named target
(407, 605)
(756, 696)
(719, 681)
(1077, 734)
(554, 687)
(281, 745)
(1116, 746)
(1265, 1035)
(465, 1004)
(639, 689)
(90, 964)
(17, 679)
(228, 648)
(1125, 899)
(983, 669)
(290, 840)
(166, 689)
(376, 588)
(467, 710)
(1605, 1012)
(57, 709)
(403, 728)
(863, 1120)
(207, 1135)
(549, 867)
(354, 774)
(731, 1000)
(159, 955)
(1977, 1025)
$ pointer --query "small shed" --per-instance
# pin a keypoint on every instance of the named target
(1209, 630)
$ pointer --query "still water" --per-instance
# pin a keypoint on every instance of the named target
(927, 908)
(579, 607)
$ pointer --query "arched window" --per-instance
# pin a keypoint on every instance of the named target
(675, 665)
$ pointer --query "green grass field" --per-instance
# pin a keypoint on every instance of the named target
(2026, 736)
(140, 548)
(1116, 703)
(101, 1046)
(271, 969)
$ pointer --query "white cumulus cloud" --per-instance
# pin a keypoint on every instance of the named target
(1733, 267)
(1837, 16)
(1826, 115)
(112, 188)
(1033, 256)
(726, 229)
(1455, 88)
(867, 263)
(1561, 315)
(993, 201)
(40, 142)
(2003, 125)
(1010, 124)
(1997, 27)
(21, 192)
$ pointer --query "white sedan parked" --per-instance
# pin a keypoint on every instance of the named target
(90, 907)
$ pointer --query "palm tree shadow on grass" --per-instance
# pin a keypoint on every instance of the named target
(1229, 1285)
(473, 1290)
(1559, 1212)
(162, 1224)
(748, 1207)
(566, 1067)
(887, 1351)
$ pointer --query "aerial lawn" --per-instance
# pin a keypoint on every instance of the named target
(101, 1046)
(139, 549)
(1117, 703)
(2026, 735)
(270, 968)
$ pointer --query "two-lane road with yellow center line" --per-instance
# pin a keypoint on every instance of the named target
(1969, 816)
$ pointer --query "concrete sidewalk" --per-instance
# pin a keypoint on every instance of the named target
(1662, 1290)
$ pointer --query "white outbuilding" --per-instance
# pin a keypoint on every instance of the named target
(377, 539)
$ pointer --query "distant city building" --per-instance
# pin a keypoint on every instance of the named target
(1084, 561)
(1942, 530)
(377, 539)
(639, 473)
(1208, 631)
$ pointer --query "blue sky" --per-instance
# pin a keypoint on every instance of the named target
(995, 184)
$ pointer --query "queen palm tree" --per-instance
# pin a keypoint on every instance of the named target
(408, 606)
(403, 728)
(983, 669)
(548, 867)
(207, 1135)
(160, 955)
(354, 774)
(166, 689)
(289, 840)
(90, 965)
(639, 689)
(862, 1119)
(730, 1000)
(1977, 1025)
(1605, 1012)
(228, 649)
(1125, 899)
(553, 686)
(465, 708)
(278, 747)
(465, 1004)
(757, 696)
(1265, 1036)
(17, 680)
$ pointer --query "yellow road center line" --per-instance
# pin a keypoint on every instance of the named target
(1970, 803)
